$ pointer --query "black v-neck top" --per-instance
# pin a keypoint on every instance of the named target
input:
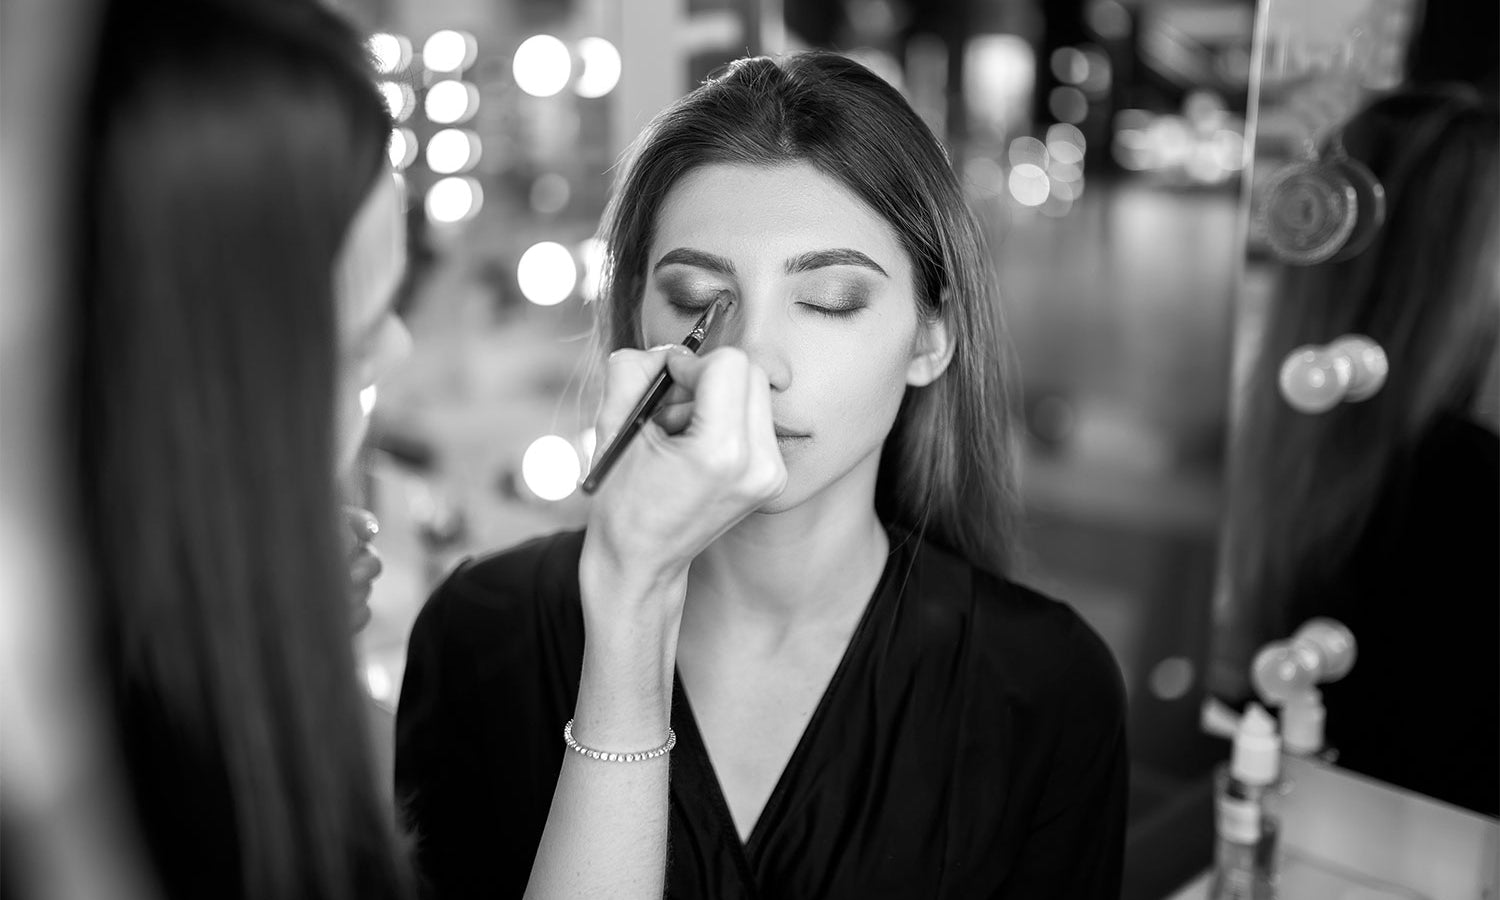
(971, 743)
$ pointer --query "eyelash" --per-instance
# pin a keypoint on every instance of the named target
(833, 312)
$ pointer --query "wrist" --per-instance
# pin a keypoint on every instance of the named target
(630, 587)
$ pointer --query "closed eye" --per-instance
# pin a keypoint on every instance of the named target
(837, 304)
(686, 302)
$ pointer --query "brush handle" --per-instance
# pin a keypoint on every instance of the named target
(645, 408)
(651, 401)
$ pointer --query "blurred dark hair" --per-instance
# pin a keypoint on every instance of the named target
(948, 463)
(1304, 487)
(229, 146)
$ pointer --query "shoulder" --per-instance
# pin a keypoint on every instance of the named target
(1037, 646)
(512, 592)
(545, 563)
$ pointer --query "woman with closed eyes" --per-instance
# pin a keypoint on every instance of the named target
(862, 704)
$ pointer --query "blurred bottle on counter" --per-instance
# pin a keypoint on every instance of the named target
(1247, 793)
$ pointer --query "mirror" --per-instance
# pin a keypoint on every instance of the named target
(1363, 450)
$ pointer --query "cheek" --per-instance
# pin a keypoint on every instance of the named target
(860, 386)
(659, 325)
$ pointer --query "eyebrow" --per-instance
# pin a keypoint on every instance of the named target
(842, 256)
(806, 262)
(682, 256)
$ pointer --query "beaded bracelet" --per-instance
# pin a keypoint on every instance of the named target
(602, 756)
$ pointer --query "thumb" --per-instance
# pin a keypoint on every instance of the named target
(627, 375)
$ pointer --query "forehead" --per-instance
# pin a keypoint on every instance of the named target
(743, 210)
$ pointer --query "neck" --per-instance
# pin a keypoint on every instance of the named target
(806, 564)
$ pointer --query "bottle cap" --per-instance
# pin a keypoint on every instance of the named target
(1302, 719)
(1257, 748)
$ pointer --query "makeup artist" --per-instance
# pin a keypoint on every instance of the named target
(210, 407)
(796, 605)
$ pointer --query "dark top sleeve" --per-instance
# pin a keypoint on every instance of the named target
(491, 675)
(438, 764)
(1074, 849)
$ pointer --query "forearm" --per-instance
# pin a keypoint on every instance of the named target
(606, 831)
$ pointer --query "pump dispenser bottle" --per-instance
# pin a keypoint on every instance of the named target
(1246, 793)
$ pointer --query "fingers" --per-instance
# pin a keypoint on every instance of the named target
(628, 373)
(717, 382)
(674, 417)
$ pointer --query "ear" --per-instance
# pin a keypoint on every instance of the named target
(931, 352)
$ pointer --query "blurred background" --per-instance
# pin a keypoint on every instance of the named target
(1103, 145)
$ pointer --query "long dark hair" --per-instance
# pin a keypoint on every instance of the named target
(229, 147)
(948, 463)
(1304, 487)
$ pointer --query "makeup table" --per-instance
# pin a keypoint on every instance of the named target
(1347, 837)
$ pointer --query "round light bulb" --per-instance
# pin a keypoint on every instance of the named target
(547, 273)
(451, 101)
(1368, 365)
(542, 65)
(453, 199)
(601, 67)
(551, 467)
(452, 150)
(1312, 380)
(449, 50)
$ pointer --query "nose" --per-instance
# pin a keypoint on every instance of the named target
(757, 326)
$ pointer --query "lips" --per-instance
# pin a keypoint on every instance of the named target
(788, 434)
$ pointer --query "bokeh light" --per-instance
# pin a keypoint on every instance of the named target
(1109, 19)
(451, 101)
(551, 468)
(1229, 149)
(454, 199)
(379, 682)
(1029, 184)
(1202, 164)
(1057, 170)
(452, 150)
(390, 52)
(399, 99)
(1172, 678)
(1066, 144)
(601, 67)
(542, 65)
(591, 251)
(1068, 104)
(1027, 149)
(1070, 65)
(402, 147)
(1100, 74)
(449, 51)
(546, 273)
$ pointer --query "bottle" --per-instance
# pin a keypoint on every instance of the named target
(1246, 807)
(1302, 718)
